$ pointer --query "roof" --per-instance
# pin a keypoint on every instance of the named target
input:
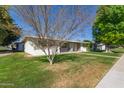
(34, 37)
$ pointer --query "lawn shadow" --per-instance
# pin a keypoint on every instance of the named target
(59, 58)
(43, 59)
(65, 57)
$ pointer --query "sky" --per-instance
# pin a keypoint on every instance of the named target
(27, 31)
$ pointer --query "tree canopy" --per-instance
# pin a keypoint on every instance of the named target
(9, 32)
(108, 27)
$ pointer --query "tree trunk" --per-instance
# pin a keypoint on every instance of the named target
(50, 60)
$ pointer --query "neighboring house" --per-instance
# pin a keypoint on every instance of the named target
(101, 47)
(98, 46)
(31, 47)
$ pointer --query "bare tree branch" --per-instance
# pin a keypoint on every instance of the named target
(53, 26)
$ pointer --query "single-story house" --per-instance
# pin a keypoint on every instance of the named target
(30, 47)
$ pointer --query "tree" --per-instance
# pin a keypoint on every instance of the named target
(108, 27)
(53, 24)
(9, 32)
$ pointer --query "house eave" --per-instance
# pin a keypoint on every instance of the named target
(29, 37)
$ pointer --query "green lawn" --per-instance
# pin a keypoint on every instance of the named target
(118, 50)
(106, 54)
(70, 70)
(3, 48)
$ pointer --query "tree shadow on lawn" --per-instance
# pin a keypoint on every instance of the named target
(60, 58)
(65, 57)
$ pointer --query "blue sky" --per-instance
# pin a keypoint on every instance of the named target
(27, 31)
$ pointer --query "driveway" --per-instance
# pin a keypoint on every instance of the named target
(4, 54)
(115, 77)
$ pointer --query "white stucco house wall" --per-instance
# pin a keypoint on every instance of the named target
(32, 49)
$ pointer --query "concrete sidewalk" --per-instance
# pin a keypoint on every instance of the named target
(115, 77)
